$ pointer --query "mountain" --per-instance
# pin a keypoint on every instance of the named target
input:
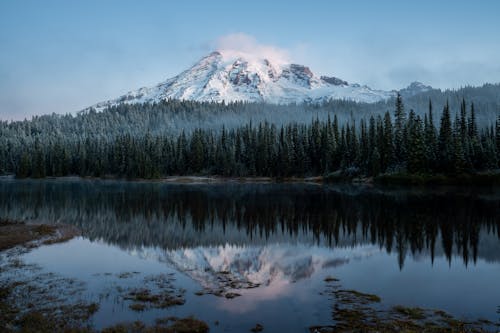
(222, 77)
(415, 88)
(255, 265)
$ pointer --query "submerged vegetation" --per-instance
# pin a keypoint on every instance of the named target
(167, 325)
(161, 295)
(35, 301)
(353, 311)
(44, 303)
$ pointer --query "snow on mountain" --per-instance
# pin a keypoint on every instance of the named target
(257, 265)
(228, 77)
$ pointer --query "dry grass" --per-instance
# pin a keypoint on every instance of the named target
(15, 233)
(168, 325)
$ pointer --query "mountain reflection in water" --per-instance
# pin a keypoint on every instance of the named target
(202, 217)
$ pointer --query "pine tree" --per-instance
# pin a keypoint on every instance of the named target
(197, 152)
(497, 138)
(416, 145)
(399, 127)
(182, 155)
(446, 155)
(472, 126)
(475, 147)
(375, 165)
(330, 148)
(458, 148)
(337, 155)
(24, 168)
(3, 156)
(463, 119)
(365, 148)
(38, 164)
(343, 150)
(430, 140)
(388, 157)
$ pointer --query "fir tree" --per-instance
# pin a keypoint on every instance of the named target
(388, 157)
(458, 148)
(399, 127)
(416, 145)
(430, 140)
(497, 138)
(446, 155)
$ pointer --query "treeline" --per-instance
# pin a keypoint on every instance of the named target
(173, 116)
(402, 142)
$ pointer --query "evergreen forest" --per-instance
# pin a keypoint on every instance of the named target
(397, 141)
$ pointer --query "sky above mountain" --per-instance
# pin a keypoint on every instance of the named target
(62, 56)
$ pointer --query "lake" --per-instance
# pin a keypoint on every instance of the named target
(242, 254)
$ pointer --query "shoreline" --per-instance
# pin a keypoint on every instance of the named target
(486, 179)
(186, 179)
(16, 234)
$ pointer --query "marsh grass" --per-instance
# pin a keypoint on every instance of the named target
(158, 292)
(16, 233)
(354, 311)
(165, 325)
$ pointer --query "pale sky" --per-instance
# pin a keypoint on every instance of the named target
(62, 56)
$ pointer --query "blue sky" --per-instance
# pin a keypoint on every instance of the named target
(61, 56)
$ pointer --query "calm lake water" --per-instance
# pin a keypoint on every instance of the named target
(436, 249)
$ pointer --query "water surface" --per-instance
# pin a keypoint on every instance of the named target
(436, 248)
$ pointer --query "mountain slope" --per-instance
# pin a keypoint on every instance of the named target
(415, 88)
(219, 77)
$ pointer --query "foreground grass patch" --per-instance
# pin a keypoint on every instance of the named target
(167, 325)
(354, 311)
(15, 233)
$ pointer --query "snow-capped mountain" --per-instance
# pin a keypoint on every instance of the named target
(257, 265)
(225, 77)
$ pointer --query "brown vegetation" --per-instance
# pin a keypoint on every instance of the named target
(15, 233)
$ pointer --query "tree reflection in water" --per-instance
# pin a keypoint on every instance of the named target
(410, 222)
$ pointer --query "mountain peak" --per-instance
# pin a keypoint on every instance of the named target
(418, 85)
(228, 75)
(414, 88)
(214, 54)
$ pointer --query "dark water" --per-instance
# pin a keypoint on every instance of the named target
(432, 248)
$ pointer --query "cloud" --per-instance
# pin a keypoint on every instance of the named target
(241, 44)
